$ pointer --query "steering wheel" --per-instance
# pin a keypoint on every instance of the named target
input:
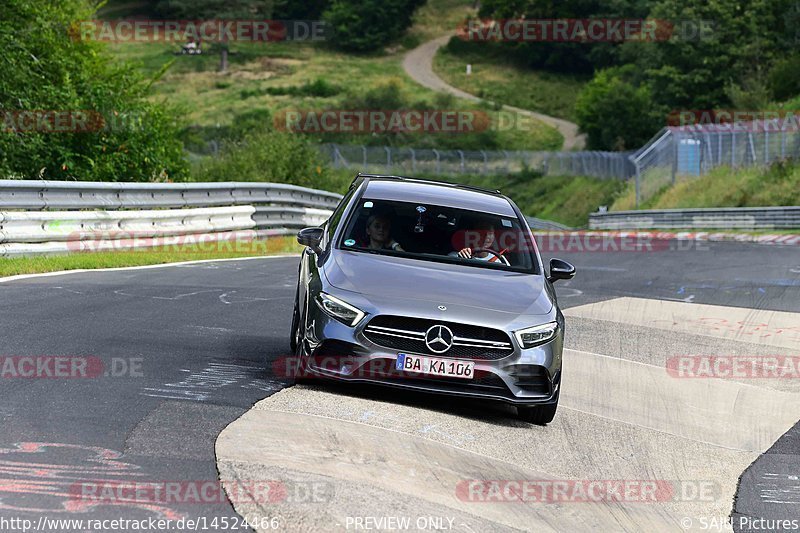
(498, 255)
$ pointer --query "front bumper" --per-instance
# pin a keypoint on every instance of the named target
(337, 352)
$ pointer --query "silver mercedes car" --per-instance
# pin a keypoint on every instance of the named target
(434, 287)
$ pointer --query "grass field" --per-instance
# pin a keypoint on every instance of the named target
(723, 187)
(90, 260)
(275, 76)
(495, 78)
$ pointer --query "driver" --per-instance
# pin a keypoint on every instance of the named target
(486, 237)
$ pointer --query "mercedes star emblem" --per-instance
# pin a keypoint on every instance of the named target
(439, 339)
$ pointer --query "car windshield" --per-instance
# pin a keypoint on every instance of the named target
(440, 233)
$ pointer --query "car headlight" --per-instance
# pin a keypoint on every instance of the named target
(339, 309)
(530, 337)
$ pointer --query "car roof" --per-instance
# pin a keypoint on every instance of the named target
(444, 194)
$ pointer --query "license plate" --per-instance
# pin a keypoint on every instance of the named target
(435, 366)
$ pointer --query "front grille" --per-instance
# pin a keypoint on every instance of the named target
(407, 334)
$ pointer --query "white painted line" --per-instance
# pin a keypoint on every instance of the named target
(142, 267)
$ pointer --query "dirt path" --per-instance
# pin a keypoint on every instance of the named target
(418, 64)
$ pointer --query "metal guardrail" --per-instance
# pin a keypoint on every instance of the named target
(743, 218)
(49, 217)
(37, 195)
(38, 226)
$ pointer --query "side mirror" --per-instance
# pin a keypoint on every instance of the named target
(560, 269)
(311, 237)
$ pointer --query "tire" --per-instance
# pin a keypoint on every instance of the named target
(541, 415)
(295, 327)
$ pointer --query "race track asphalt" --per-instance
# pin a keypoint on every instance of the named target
(186, 349)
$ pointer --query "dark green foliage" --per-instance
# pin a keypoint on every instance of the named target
(617, 115)
(44, 68)
(199, 9)
(366, 25)
(784, 78)
(318, 88)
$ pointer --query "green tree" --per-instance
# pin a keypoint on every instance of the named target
(615, 114)
(46, 68)
(365, 25)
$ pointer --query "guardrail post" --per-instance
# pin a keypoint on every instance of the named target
(364, 157)
(485, 162)
(413, 160)
(463, 165)
(388, 159)
(508, 161)
(438, 162)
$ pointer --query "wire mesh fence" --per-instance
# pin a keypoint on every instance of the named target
(687, 152)
(389, 160)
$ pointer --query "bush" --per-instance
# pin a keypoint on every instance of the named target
(319, 88)
(48, 68)
(266, 156)
(615, 114)
(366, 25)
(784, 78)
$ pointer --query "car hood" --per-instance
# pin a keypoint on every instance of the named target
(383, 278)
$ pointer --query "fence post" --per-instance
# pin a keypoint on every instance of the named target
(413, 160)
(485, 162)
(463, 168)
(733, 146)
(508, 162)
(337, 157)
(438, 162)
(752, 146)
(388, 159)
(364, 156)
(783, 143)
(676, 142)
(638, 182)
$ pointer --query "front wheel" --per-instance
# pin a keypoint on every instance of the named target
(541, 415)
